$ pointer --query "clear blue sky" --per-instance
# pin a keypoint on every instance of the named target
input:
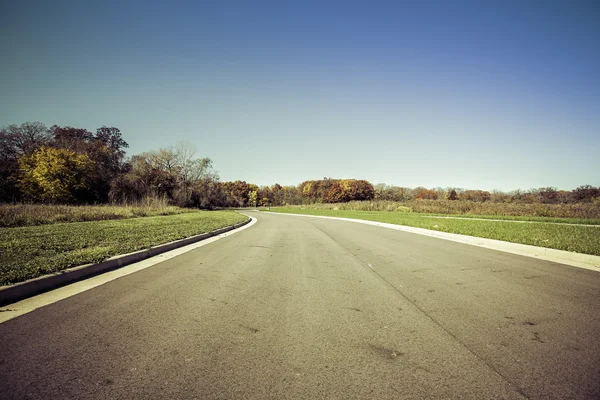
(481, 94)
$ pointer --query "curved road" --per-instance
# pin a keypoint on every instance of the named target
(304, 308)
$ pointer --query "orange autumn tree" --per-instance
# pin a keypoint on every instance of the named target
(336, 190)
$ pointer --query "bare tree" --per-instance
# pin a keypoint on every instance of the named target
(191, 169)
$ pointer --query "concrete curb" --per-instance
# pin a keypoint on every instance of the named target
(580, 260)
(19, 291)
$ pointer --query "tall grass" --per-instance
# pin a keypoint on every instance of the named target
(31, 251)
(464, 207)
(13, 215)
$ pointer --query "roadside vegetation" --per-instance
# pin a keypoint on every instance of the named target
(15, 215)
(70, 165)
(70, 196)
(574, 212)
(580, 239)
(31, 251)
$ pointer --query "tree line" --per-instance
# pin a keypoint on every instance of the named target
(545, 195)
(66, 165)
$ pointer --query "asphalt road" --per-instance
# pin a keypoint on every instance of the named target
(305, 308)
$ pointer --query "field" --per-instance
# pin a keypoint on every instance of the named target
(30, 251)
(549, 233)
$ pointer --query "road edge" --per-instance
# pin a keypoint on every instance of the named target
(32, 287)
(580, 260)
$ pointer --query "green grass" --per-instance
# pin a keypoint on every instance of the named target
(32, 251)
(530, 218)
(580, 239)
(581, 221)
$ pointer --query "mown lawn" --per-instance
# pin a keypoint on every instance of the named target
(578, 221)
(32, 251)
(580, 239)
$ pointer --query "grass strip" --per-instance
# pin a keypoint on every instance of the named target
(509, 218)
(525, 218)
(32, 251)
(580, 239)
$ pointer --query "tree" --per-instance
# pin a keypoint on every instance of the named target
(330, 190)
(497, 196)
(452, 195)
(424, 194)
(309, 191)
(174, 173)
(113, 139)
(179, 170)
(277, 195)
(144, 178)
(110, 150)
(253, 198)
(74, 139)
(476, 195)
(237, 193)
(338, 192)
(206, 194)
(265, 196)
(396, 193)
(548, 195)
(191, 169)
(441, 193)
(55, 175)
(25, 138)
(381, 192)
(16, 141)
(585, 193)
(106, 149)
(292, 195)
(361, 189)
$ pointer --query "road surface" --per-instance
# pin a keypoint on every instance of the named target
(304, 308)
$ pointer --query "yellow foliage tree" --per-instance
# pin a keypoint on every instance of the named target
(253, 198)
(54, 175)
